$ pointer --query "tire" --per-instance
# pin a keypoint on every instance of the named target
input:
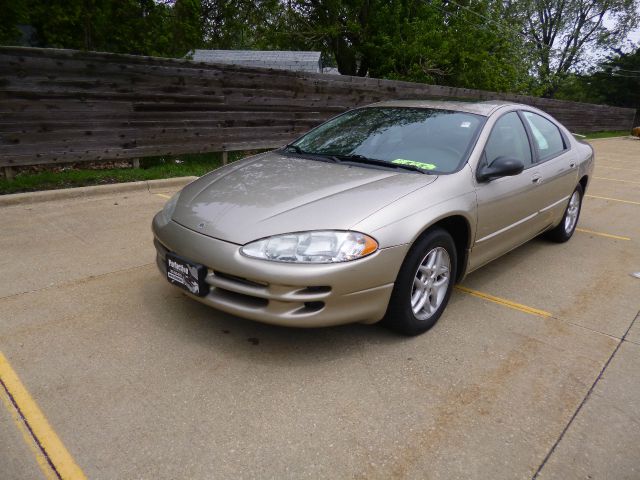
(416, 285)
(564, 230)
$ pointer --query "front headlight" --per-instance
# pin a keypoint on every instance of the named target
(325, 246)
(169, 208)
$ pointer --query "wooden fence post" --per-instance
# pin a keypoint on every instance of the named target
(9, 173)
(136, 163)
(225, 157)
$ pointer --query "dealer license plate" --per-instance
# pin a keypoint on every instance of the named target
(187, 275)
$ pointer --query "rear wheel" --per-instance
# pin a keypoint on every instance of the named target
(564, 230)
(424, 284)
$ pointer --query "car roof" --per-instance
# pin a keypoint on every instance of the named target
(485, 108)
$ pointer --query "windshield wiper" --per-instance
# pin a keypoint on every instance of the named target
(293, 147)
(339, 158)
(382, 163)
(323, 157)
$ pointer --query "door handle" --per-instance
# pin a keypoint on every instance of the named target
(537, 178)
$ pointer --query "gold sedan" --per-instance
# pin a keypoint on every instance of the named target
(373, 215)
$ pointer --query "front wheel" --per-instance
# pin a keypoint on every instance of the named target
(424, 284)
(564, 231)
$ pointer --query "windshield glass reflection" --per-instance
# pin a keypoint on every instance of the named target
(430, 139)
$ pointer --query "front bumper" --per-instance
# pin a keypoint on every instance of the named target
(284, 294)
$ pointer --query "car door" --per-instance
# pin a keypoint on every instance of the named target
(555, 166)
(508, 207)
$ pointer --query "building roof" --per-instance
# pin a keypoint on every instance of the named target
(283, 60)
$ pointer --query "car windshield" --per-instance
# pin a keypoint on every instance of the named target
(428, 139)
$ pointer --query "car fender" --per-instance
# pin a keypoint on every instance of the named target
(402, 222)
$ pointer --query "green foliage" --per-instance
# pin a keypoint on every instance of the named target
(564, 35)
(151, 168)
(186, 26)
(238, 24)
(14, 13)
(142, 27)
(616, 82)
(524, 46)
(433, 42)
(607, 134)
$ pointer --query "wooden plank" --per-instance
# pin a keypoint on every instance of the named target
(84, 143)
(14, 130)
(64, 106)
(19, 142)
(140, 152)
(130, 96)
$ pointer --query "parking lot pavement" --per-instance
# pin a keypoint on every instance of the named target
(634, 332)
(526, 375)
(50, 243)
(608, 427)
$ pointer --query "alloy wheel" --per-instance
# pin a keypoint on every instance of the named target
(430, 283)
(571, 218)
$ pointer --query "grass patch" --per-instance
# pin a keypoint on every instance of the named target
(608, 134)
(151, 168)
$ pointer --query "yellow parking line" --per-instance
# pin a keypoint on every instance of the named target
(48, 472)
(613, 199)
(602, 234)
(617, 180)
(51, 445)
(504, 302)
(162, 195)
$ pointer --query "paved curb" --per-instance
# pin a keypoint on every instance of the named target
(621, 137)
(67, 193)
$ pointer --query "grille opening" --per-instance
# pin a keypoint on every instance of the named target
(311, 307)
(241, 280)
(240, 298)
(319, 289)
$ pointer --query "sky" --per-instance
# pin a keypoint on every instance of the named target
(634, 35)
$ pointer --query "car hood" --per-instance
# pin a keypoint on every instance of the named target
(271, 194)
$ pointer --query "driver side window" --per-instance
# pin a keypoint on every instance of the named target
(508, 139)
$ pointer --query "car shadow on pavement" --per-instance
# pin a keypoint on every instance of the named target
(197, 323)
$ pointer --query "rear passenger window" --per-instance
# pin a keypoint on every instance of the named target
(508, 139)
(546, 135)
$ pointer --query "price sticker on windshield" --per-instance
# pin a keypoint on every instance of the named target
(422, 165)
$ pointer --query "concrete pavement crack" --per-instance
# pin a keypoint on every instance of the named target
(584, 400)
(632, 341)
(587, 328)
(74, 282)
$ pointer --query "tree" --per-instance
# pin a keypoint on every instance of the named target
(187, 27)
(616, 81)
(14, 13)
(440, 41)
(237, 24)
(564, 33)
(336, 27)
(142, 27)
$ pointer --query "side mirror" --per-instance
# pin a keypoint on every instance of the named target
(501, 167)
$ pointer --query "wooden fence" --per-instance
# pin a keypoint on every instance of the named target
(59, 106)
